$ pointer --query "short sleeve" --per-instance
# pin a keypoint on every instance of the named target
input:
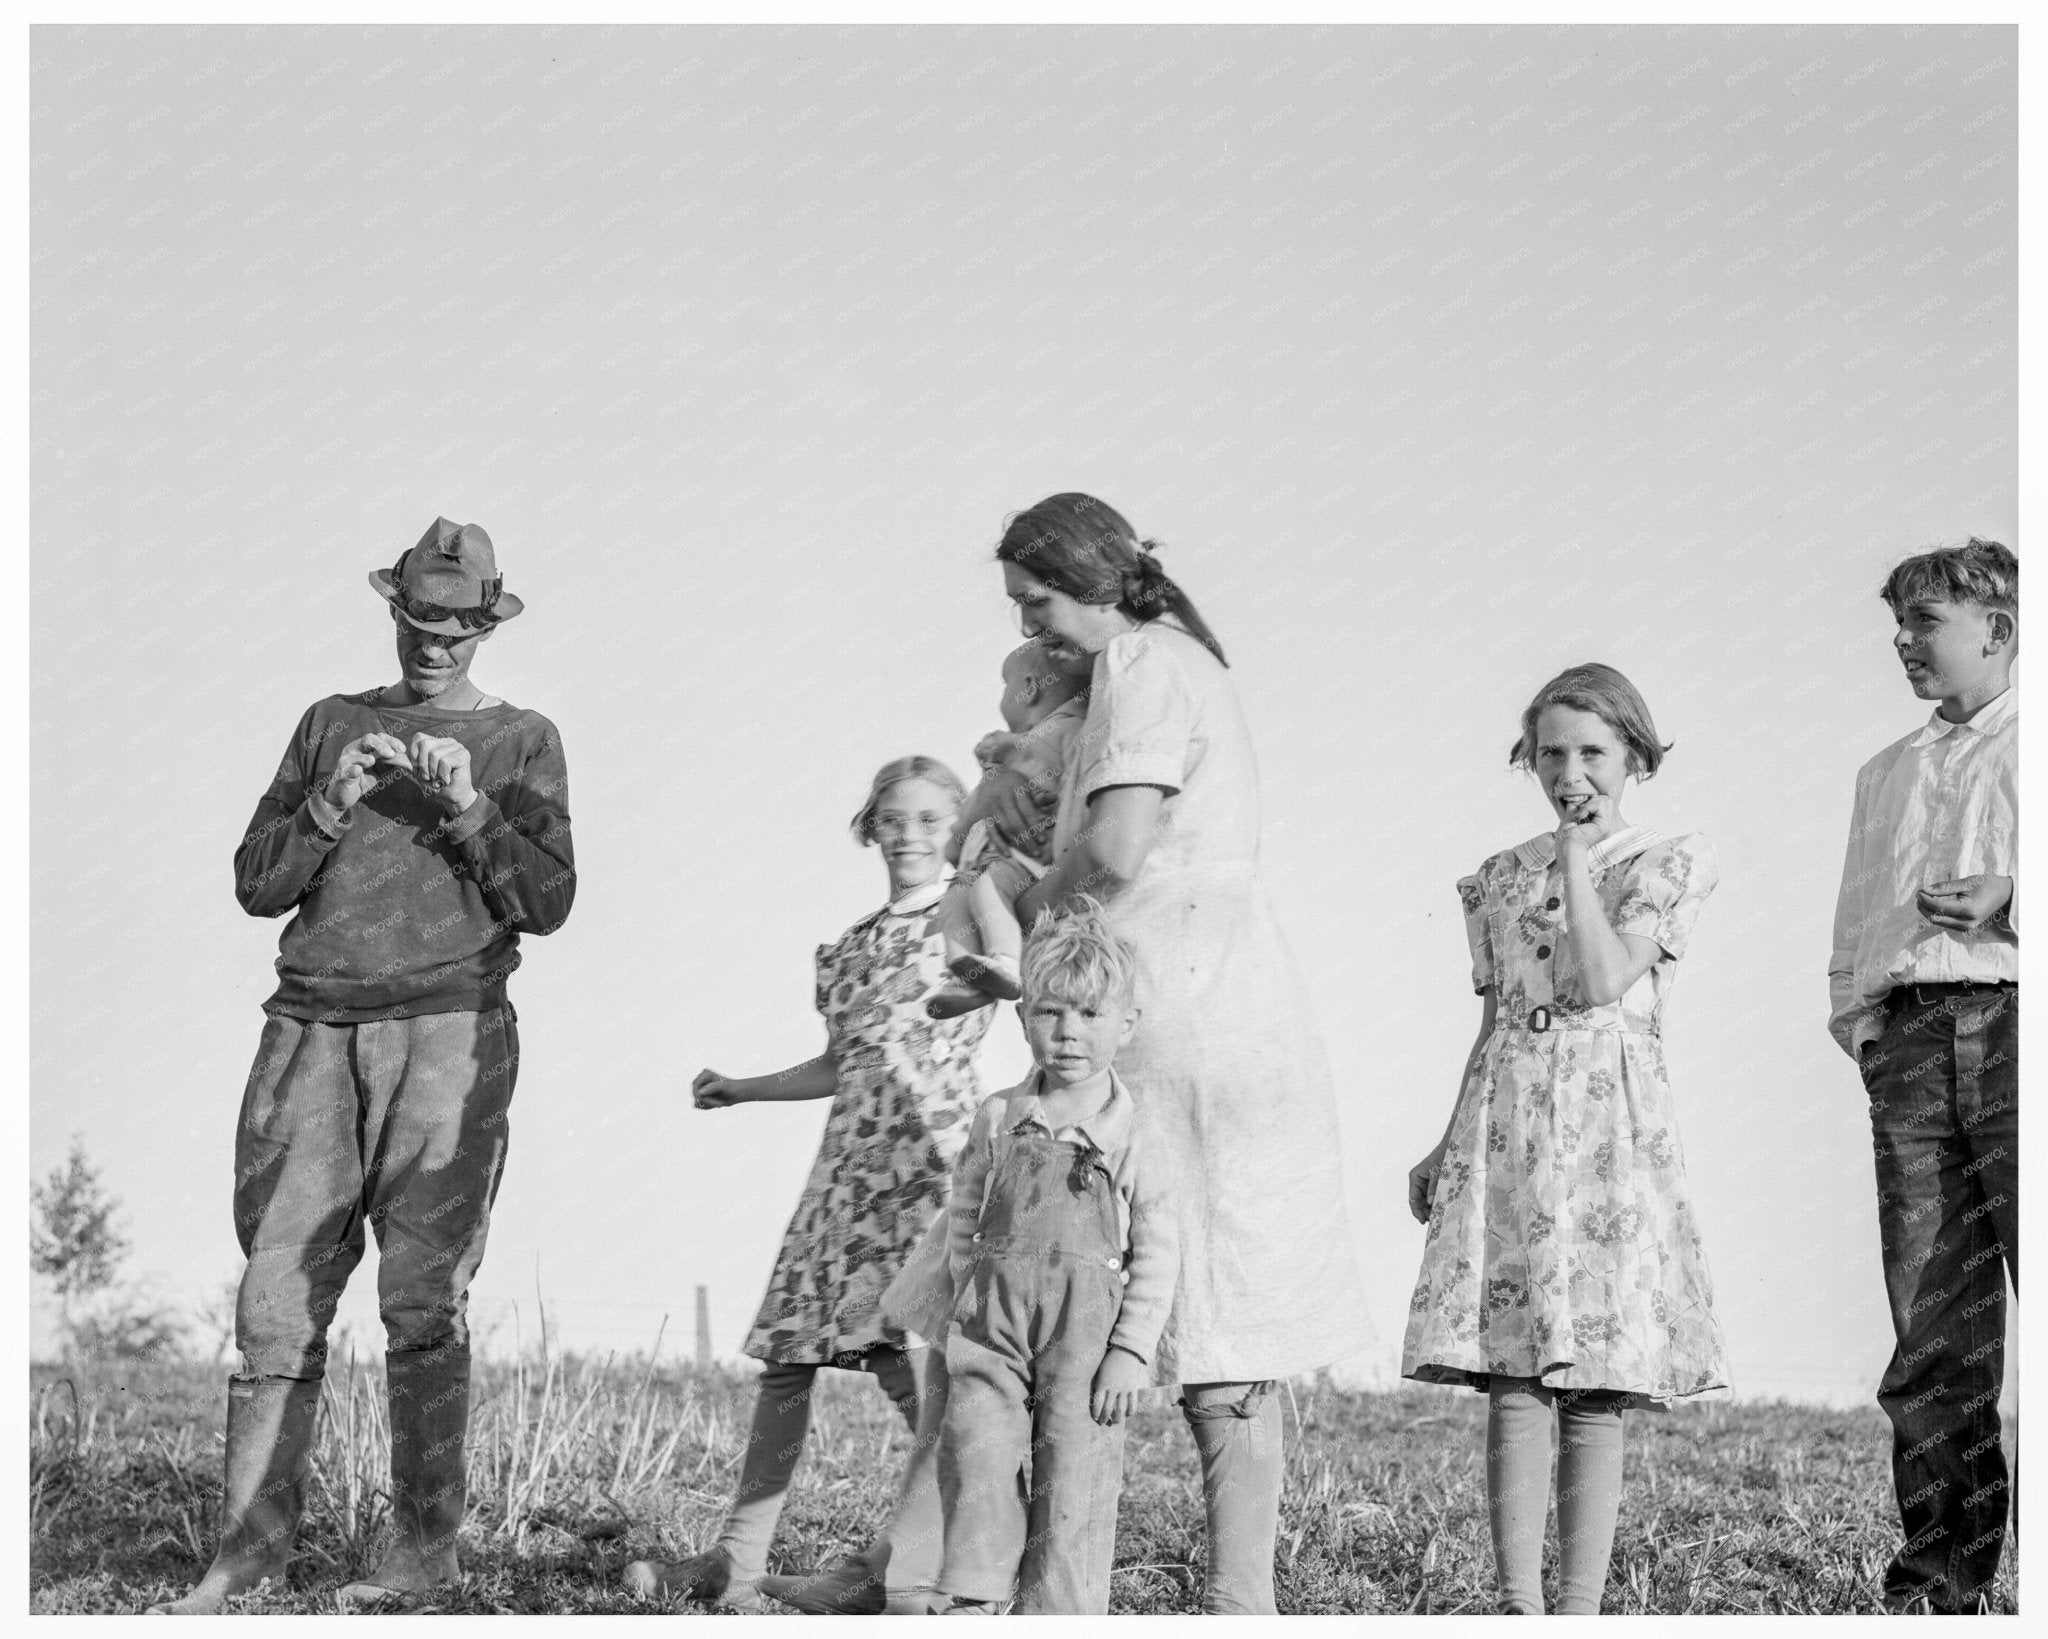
(1478, 931)
(1140, 718)
(827, 976)
(1664, 891)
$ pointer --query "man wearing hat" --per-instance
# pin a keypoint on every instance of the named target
(412, 834)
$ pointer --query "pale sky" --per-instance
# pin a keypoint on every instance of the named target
(1438, 358)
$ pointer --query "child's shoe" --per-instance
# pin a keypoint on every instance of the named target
(706, 1578)
(848, 1587)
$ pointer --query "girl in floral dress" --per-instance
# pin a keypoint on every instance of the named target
(904, 1089)
(1563, 1271)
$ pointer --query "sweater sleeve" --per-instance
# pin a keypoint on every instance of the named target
(1152, 1264)
(514, 840)
(290, 836)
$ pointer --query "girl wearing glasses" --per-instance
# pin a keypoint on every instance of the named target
(904, 1088)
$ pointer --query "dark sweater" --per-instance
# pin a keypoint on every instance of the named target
(401, 909)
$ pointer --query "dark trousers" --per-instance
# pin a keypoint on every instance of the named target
(397, 1124)
(1944, 1113)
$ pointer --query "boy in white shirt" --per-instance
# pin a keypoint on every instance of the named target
(1924, 984)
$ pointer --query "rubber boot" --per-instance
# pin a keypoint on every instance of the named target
(269, 1439)
(428, 1394)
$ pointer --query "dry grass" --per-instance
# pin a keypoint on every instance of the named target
(578, 1466)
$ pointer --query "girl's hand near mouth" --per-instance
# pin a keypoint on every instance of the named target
(1585, 821)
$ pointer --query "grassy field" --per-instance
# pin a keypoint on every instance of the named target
(577, 1467)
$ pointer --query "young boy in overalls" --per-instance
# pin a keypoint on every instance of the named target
(1925, 991)
(1064, 1257)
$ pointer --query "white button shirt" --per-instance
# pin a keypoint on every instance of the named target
(1942, 803)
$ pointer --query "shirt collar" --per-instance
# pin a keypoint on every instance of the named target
(1105, 1130)
(1537, 852)
(1991, 717)
(917, 899)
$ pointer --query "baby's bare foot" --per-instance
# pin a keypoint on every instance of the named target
(954, 1000)
(999, 979)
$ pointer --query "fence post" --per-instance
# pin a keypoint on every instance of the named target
(703, 1328)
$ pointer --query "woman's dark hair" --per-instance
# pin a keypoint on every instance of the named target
(1608, 696)
(1086, 549)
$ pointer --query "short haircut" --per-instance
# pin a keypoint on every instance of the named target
(1980, 572)
(1033, 659)
(1072, 955)
(895, 773)
(1608, 696)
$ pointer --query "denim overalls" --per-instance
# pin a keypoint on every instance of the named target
(1030, 1327)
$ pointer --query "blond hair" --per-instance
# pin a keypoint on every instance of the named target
(1072, 955)
(895, 773)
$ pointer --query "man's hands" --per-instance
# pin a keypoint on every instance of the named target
(1965, 904)
(352, 780)
(440, 765)
(1119, 1380)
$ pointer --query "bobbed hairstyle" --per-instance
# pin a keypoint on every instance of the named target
(1071, 955)
(1979, 572)
(895, 773)
(1088, 550)
(1608, 696)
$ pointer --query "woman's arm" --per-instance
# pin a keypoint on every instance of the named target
(1106, 857)
(814, 1078)
(1422, 1176)
(1603, 963)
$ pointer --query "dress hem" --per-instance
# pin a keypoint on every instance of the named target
(1179, 1372)
(1556, 1377)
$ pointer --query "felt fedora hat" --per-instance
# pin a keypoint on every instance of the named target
(448, 583)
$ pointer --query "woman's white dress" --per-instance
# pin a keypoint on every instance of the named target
(1227, 1064)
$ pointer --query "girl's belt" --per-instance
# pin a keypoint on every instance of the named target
(1543, 1021)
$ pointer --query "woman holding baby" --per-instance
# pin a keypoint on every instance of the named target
(1158, 816)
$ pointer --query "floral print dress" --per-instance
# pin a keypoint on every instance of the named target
(1562, 1243)
(908, 1088)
